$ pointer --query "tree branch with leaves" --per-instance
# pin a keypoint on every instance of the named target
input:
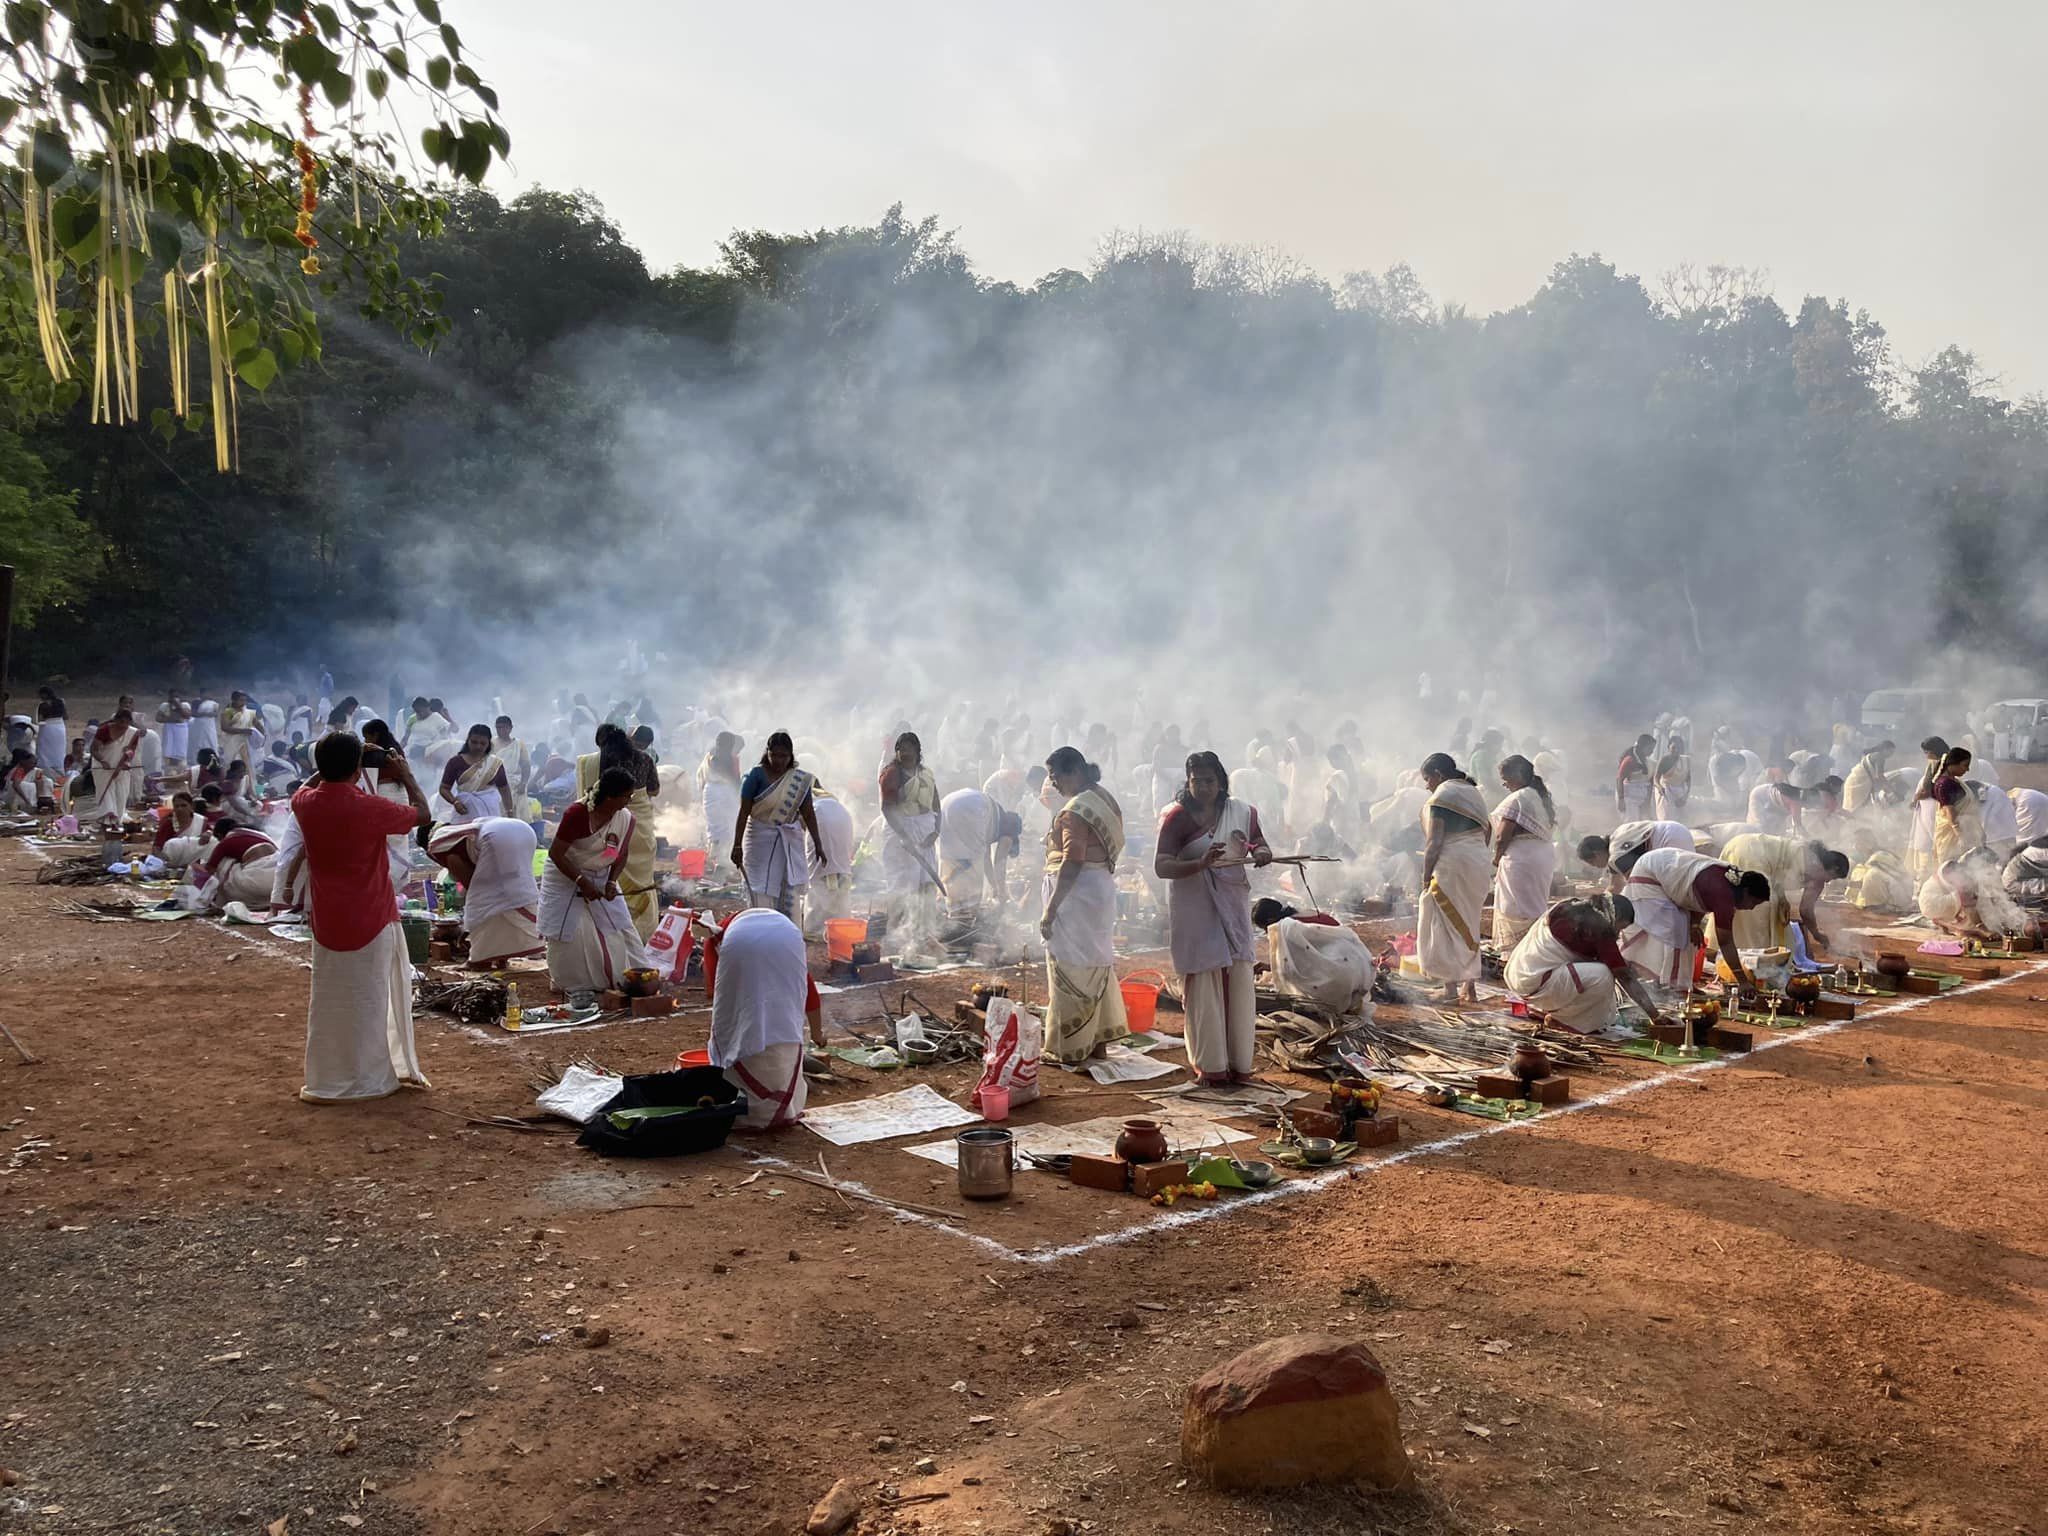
(219, 162)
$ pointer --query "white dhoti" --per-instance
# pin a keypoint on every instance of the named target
(1569, 989)
(773, 1081)
(359, 1022)
(1660, 943)
(1329, 966)
(246, 880)
(757, 1016)
(110, 801)
(1222, 1018)
(1521, 888)
(1448, 917)
(591, 944)
(721, 815)
(51, 745)
(1086, 1007)
(778, 865)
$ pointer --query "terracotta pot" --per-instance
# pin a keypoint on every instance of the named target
(1803, 989)
(1893, 965)
(1142, 1141)
(1704, 1013)
(1529, 1063)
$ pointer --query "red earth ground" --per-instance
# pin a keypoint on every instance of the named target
(1798, 1292)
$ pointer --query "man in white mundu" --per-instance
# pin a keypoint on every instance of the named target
(175, 716)
(1569, 963)
(584, 920)
(1671, 891)
(760, 1009)
(115, 747)
(359, 1040)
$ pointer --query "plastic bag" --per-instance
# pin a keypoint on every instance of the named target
(580, 1094)
(1016, 1039)
(669, 946)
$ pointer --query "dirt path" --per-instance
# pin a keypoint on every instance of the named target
(1801, 1292)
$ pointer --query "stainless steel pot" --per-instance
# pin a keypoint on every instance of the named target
(987, 1162)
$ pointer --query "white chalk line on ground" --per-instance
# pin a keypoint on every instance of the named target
(1191, 1215)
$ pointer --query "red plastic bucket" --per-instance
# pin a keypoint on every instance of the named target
(690, 863)
(841, 934)
(1141, 1001)
(687, 1059)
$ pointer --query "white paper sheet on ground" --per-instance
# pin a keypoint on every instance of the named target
(1093, 1138)
(908, 1112)
(162, 914)
(298, 933)
(1123, 1065)
(580, 1094)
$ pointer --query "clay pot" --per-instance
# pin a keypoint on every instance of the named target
(1704, 1013)
(1142, 1141)
(1803, 989)
(1893, 965)
(1529, 1063)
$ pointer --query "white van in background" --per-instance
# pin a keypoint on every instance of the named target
(2019, 730)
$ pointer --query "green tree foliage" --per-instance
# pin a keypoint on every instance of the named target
(41, 535)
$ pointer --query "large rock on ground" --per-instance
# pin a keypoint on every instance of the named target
(1308, 1408)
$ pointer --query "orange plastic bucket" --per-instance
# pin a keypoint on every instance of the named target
(841, 934)
(686, 1059)
(690, 863)
(1141, 1001)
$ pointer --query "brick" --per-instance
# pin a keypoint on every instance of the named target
(612, 1002)
(653, 1007)
(1833, 1005)
(1317, 1122)
(1733, 1041)
(1147, 1179)
(881, 970)
(440, 949)
(1547, 1090)
(966, 1013)
(1100, 1172)
(1382, 1131)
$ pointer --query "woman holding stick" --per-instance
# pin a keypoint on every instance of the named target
(1205, 841)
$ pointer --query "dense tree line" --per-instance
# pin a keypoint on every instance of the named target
(1680, 487)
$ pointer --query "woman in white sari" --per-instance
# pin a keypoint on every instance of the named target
(910, 808)
(718, 786)
(1455, 875)
(775, 812)
(1206, 840)
(53, 733)
(1524, 852)
(474, 781)
(493, 859)
(1672, 782)
(114, 749)
(590, 936)
(1086, 1010)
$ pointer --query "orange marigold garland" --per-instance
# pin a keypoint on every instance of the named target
(309, 185)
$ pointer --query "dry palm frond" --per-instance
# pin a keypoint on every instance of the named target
(481, 1001)
(89, 870)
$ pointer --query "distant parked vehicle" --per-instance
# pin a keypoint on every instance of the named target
(1907, 715)
(2019, 730)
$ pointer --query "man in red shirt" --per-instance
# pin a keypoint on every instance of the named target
(359, 1041)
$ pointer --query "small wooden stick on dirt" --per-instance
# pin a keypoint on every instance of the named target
(859, 1194)
(29, 1058)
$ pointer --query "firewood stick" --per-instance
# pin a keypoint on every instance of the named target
(29, 1058)
(858, 1194)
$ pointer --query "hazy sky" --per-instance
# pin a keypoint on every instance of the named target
(1888, 153)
